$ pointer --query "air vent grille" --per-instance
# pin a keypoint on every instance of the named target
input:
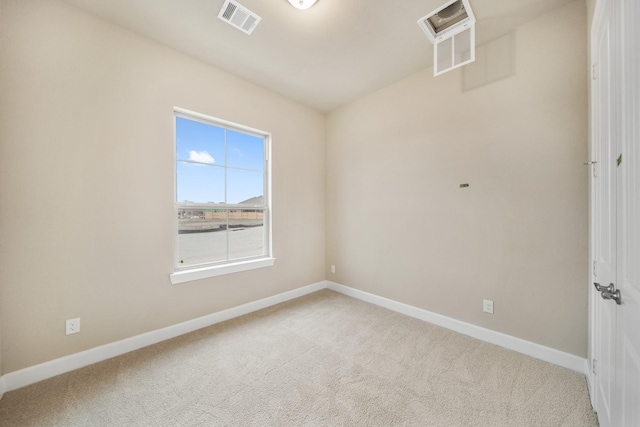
(239, 16)
(250, 23)
(228, 12)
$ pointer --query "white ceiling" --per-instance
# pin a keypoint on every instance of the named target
(323, 57)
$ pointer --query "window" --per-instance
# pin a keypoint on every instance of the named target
(221, 197)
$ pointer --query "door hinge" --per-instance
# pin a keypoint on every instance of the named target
(593, 366)
(595, 269)
(593, 164)
(593, 72)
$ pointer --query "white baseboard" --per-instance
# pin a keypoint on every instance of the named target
(590, 382)
(33, 374)
(547, 354)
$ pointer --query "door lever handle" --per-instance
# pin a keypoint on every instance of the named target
(611, 288)
(613, 295)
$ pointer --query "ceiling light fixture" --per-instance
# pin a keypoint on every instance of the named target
(302, 4)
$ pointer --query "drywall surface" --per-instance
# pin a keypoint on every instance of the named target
(400, 226)
(87, 186)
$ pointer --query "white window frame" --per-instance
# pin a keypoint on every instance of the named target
(186, 274)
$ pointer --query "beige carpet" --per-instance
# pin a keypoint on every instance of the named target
(324, 359)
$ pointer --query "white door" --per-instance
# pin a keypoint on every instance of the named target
(616, 212)
(627, 396)
(604, 211)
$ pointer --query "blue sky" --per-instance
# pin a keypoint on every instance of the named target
(207, 155)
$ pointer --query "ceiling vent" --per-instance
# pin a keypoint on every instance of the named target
(449, 19)
(239, 16)
(451, 29)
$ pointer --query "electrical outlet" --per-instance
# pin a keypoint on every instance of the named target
(487, 306)
(333, 268)
(73, 326)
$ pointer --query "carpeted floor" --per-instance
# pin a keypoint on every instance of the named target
(324, 359)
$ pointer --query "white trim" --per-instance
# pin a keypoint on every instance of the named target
(219, 270)
(590, 380)
(547, 354)
(33, 374)
(188, 114)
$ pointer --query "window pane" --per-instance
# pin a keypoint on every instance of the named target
(246, 233)
(245, 186)
(199, 142)
(216, 166)
(202, 236)
(245, 151)
(197, 183)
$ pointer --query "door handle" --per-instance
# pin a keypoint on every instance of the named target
(616, 296)
(611, 288)
(609, 292)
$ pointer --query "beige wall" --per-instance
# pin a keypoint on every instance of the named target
(86, 140)
(399, 226)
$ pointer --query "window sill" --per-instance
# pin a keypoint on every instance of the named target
(203, 273)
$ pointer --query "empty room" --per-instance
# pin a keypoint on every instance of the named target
(319, 212)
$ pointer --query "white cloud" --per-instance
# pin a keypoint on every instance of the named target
(201, 157)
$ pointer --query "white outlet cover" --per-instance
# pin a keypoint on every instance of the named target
(73, 326)
(487, 306)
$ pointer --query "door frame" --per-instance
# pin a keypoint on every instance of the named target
(592, 293)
